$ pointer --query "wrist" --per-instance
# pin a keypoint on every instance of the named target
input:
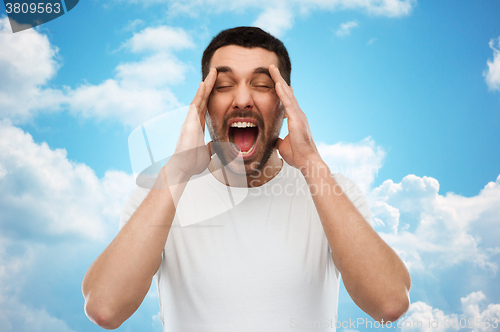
(174, 175)
(315, 168)
(171, 181)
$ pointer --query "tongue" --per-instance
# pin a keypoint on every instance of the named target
(244, 138)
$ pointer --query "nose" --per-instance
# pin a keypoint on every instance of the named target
(243, 98)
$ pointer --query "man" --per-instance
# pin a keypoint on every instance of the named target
(269, 263)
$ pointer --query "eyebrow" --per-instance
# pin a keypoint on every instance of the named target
(224, 69)
(258, 70)
(262, 70)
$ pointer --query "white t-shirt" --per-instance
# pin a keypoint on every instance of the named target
(261, 262)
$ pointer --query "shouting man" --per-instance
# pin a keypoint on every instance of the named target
(275, 258)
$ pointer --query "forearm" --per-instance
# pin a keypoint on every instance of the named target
(119, 279)
(373, 274)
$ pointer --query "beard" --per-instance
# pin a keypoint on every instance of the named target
(268, 133)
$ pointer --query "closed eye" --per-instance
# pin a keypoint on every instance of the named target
(223, 87)
(263, 87)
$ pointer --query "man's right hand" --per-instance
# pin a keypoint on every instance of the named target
(119, 279)
(191, 155)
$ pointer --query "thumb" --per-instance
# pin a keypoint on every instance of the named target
(278, 143)
(210, 148)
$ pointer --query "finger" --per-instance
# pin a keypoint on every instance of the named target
(287, 96)
(297, 106)
(209, 84)
(199, 95)
(287, 102)
(288, 90)
(210, 81)
(275, 74)
(193, 110)
(284, 149)
(278, 143)
(277, 78)
(292, 95)
(210, 148)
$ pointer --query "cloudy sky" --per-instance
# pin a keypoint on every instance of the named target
(403, 96)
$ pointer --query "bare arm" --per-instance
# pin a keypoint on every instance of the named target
(375, 277)
(118, 280)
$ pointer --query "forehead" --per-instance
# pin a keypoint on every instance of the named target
(243, 60)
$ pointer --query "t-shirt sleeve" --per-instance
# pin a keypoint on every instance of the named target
(356, 196)
(132, 203)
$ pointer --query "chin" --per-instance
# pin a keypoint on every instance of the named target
(243, 168)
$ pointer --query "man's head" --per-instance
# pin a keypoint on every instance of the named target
(248, 37)
(244, 108)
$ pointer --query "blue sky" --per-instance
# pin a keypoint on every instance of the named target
(402, 96)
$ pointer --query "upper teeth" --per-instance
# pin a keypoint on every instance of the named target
(242, 124)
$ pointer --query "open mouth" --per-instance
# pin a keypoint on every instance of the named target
(243, 135)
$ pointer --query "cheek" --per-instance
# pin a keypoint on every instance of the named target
(267, 103)
(217, 108)
(219, 103)
(217, 98)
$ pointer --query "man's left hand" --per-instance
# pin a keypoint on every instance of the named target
(297, 148)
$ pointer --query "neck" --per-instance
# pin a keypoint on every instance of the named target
(258, 178)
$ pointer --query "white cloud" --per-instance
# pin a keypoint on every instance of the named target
(139, 91)
(390, 8)
(358, 161)
(386, 216)
(132, 25)
(345, 28)
(27, 63)
(54, 215)
(475, 316)
(492, 75)
(159, 39)
(45, 196)
(114, 99)
(157, 71)
(277, 16)
(275, 20)
(17, 317)
(431, 231)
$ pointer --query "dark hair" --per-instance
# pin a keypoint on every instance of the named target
(248, 37)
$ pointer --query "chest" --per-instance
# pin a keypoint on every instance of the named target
(271, 246)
